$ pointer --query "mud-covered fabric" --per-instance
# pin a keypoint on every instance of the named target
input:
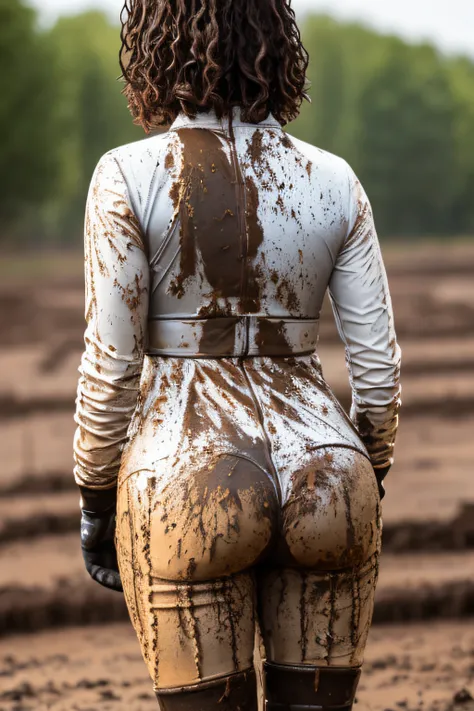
(224, 234)
(202, 556)
(117, 277)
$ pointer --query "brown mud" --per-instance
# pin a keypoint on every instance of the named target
(407, 668)
(426, 570)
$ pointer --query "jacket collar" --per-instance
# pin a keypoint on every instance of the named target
(209, 119)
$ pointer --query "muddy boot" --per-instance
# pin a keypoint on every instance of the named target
(303, 688)
(234, 693)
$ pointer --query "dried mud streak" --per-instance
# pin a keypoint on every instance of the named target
(139, 574)
(154, 632)
(271, 335)
(303, 617)
(208, 210)
(196, 634)
(351, 537)
(181, 602)
(332, 615)
(283, 592)
(308, 483)
(146, 550)
(146, 528)
(136, 612)
(355, 614)
(363, 219)
(251, 233)
(155, 648)
(251, 291)
(316, 594)
(231, 621)
(219, 487)
(256, 148)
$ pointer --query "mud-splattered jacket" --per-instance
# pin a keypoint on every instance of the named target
(209, 250)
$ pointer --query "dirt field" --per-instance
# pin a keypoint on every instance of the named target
(421, 652)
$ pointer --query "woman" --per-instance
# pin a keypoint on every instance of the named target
(241, 490)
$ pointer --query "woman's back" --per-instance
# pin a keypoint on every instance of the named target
(222, 240)
(206, 301)
(243, 223)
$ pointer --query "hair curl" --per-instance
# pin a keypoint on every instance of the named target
(198, 55)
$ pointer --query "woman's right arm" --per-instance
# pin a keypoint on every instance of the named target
(362, 306)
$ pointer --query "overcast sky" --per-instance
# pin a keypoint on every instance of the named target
(449, 23)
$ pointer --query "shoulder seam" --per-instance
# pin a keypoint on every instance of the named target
(349, 209)
(134, 207)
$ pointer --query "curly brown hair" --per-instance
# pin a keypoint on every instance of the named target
(198, 55)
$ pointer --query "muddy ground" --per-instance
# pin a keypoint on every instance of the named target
(421, 652)
(414, 668)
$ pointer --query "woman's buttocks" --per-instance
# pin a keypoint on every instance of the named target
(217, 449)
(198, 459)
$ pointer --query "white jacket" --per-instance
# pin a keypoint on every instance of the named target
(211, 247)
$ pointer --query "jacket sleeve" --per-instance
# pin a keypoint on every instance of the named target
(117, 284)
(362, 306)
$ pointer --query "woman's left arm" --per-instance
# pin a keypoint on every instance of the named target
(117, 283)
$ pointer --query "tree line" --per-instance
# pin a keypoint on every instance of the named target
(401, 114)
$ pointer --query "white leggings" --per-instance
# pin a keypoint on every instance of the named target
(202, 561)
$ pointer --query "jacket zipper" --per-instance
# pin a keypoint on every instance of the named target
(241, 208)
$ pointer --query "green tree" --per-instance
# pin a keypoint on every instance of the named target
(91, 110)
(461, 72)
(342, 58)
(28, 156)
(407, 141)
(401, 115)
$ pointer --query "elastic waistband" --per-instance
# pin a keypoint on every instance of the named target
(232, 336)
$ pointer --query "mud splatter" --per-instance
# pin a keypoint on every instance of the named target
(252, 289)
(271, 337)
(169, 160)
(303, 618)
(332, 615)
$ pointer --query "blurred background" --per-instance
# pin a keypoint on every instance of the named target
(393, 93)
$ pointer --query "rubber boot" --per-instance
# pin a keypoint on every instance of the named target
(304, 688)
(233, 693)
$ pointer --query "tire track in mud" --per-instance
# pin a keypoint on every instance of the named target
(48, 482)
(452, 600)
(38, 525)
(25, 610)
(13, 407)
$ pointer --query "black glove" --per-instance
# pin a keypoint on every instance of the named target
(380, 474)
(97, 537)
